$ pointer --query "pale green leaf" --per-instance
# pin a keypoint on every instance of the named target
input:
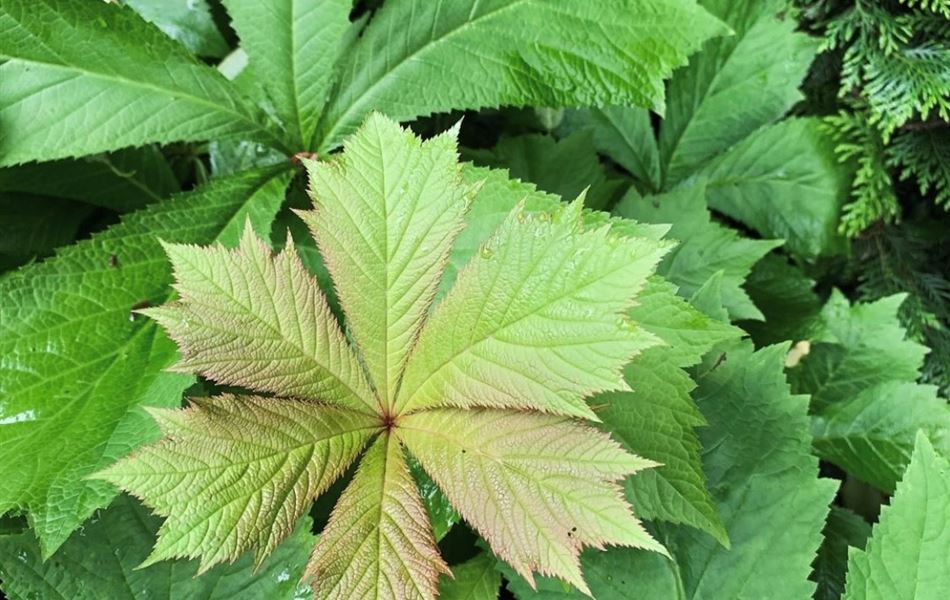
(508, 334)
(248, 318)
(657, 418)
(784, 182)
(475, 579)
(871, 435)
(292, 47)
(98, 68)
(511, 52)
(77, 362)
(625, 134)
(908, 555)
(378, 543)
(235, 473)
(565, 167)
(734, 86)
(705, 248)
(537, 487)
(386, 215)
(101, 562)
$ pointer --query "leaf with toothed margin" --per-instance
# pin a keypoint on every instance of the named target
(247, 317)
(237, 472)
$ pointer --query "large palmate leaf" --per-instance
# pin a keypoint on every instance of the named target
(760, 471)
(76, 362)
(292, 46)
(99, 68)
(908, 555)
(386, 214)
(511, 52)
(705, 248)
(102, 561)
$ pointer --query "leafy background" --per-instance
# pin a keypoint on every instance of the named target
(799, 156)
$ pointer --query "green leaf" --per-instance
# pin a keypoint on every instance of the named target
(565, 167)
(121, 181)
(250, 319)
(386, 216)
(511, 52)
(235, 473)
(31, 227)
(555, 339)
(100, 69)
(625, 134)
(378, 543)
(761, 472)
(734, 86)
(854, 348)
(871, 435)
(187, 21)
(77, 362)
(706, 247)
(787, 298)
(906, 557)
(101, 561)
(843, 530)
(537, 487)
(475, 579)
(292, 47)
(784, 182)
(657, 419)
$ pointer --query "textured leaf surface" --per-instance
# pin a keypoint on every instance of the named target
(252, 319)
(761, 472)
(537, 487)
(735, 85)
(292, 46)
(565, 167)
(32, 227)
(475, 579)
(99, 68)
(386, 215)
(843, 530)
(235, 473)
(378, 543)
(705, 248)
(657, 418)
(101, 561)
(908, 555)
(784, 182)
(69, 407)
(510, 335)
(512, 52)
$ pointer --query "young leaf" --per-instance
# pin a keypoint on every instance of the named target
(379, 542)
(511, 52)
(77, 362)
(907, 554)
(705, 247)
(292, 47)
(385, 222)
(538, 488)
(247, 318)
(102, 560)
(554, 339)
(379, 539)
(106, 72)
